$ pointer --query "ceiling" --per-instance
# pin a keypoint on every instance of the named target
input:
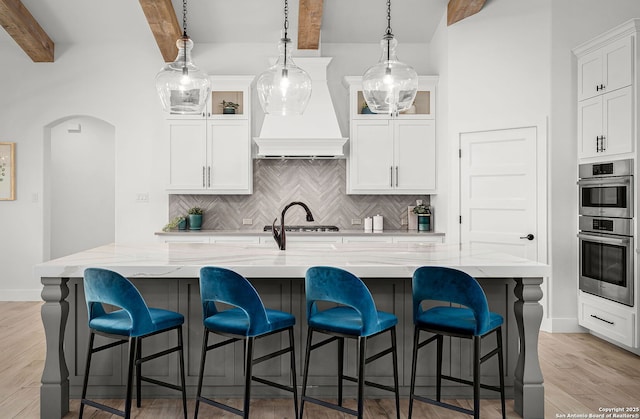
(246, 21)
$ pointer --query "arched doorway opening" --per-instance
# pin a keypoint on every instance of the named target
(79, 185)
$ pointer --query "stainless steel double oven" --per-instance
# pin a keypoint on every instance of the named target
(606, 230)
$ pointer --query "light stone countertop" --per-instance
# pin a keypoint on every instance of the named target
(367, 260)
(354, 232)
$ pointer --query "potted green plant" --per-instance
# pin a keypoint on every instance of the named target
(179, 222)
(229, 107)
(424, 216)
(195, 218)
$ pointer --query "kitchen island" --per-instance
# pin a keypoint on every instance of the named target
(167, 275)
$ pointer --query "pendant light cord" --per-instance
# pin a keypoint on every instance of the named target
(388, 35)
(185, 71)
(286, 30)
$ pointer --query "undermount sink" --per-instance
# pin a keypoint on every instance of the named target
(306, 228)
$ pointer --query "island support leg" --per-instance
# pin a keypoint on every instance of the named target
(54, 391)
(528, 384)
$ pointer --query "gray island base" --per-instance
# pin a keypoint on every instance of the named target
(167, 275)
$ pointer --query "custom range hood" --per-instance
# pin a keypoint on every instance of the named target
(314, 134)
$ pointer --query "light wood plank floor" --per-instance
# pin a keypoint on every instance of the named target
(582, 374)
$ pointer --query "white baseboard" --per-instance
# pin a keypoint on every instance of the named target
(20, 295)
(562, 325)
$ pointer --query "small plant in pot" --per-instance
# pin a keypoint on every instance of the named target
(229, 107)
(195, 218)
(179, 222)
(365, 109)
(424, 216)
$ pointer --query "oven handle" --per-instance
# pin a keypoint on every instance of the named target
(605, 239)
(606, 181)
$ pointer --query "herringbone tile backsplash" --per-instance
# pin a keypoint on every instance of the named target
(320, 184)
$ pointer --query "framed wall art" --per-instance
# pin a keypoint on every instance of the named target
(7, 171)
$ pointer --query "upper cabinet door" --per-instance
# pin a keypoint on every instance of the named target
(230, 156)
(415, 156)
(606, 69)
(589, 75)
(617, 60)
(371, 158)
(187, 151)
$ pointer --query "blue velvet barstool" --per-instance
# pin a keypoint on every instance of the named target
(248, 320)
(355, 317)
(473, 321)
(132, 323)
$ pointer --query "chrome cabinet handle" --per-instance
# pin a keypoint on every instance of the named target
(204, 185)
(391, 176)
(208, 176)
(396, 176)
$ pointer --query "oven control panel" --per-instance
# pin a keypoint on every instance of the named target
(618, 226)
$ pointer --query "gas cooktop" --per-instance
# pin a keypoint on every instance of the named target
(306, 228)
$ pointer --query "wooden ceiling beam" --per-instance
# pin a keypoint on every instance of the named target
(164, 25)
(309, 23)
(460, 9)
(26, 31)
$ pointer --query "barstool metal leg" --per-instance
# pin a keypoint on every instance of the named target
(305, 374)
(293, 372)
(476, 376)
(248, 375)
(439, 342)
(501, 369)
(362, 350)
(182, 380)
(138, 373)
(203, 357)
(414, 362)
(340, 369)
(395, 370)
(85, 381)
(133, 343)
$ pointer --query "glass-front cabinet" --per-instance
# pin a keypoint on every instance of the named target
(211, 153)
(392, 154)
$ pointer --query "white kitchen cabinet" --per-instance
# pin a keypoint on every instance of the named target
(392, 154)
(606, 93)
(211, 153)
(293, 241)
(605, 124)
(609, 319)
(606, 69)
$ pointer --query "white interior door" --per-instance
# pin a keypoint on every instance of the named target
(498, 191)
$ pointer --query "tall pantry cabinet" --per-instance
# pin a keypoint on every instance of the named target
(211, 153)
(607, 116)
(605, 95)
(392, 154)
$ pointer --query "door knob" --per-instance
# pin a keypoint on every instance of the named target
(528, 237)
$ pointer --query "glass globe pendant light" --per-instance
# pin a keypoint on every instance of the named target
(183, 88)
(284, 88)
(390, 86)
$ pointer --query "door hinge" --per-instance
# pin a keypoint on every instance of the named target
(459, 153)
